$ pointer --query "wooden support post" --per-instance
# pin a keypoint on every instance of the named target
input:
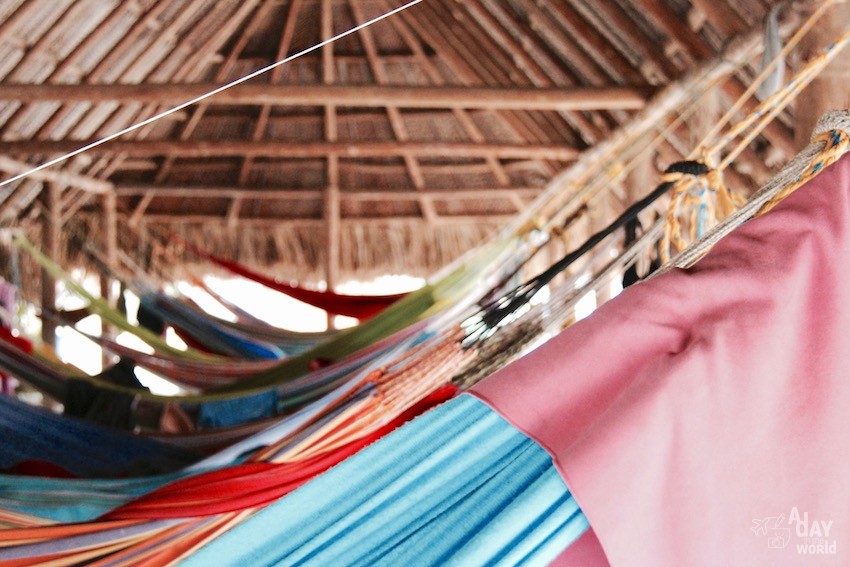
(51, 226)
(332, 218)
(110, 245)
(831, 89)
(110, 255)
(332, 224)
(332, 207)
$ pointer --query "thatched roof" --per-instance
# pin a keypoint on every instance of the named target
(402, 145)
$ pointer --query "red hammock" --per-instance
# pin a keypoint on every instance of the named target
(250, 485)
(16, 341)
(357, 306)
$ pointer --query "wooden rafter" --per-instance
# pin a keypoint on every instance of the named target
(303, 150)
(278, 222)
(541, 72)
(489, 98)
(150, 191)
(466, 122)
(453, 48)
(393, 113)
(197, 113)
(274, 77)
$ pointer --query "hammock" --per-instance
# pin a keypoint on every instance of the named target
(252, 325)
(729, 377)
(357, 306)
(503, 489)
(458, 485)
(254, 484)
(157, 540)
(82, 449)
(205, 329)
(419, 496)
(291, 342)
(45, 542)
(391, 321)
(26, 367)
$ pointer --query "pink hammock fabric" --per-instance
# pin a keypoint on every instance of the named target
(357, 306)
(703, 417)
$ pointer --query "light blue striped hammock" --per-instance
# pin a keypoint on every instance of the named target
(458, 485)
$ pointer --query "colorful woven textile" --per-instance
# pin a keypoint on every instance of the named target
(458, 485)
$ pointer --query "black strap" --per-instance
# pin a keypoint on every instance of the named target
(497, 311)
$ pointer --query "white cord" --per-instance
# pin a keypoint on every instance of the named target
(204, 96)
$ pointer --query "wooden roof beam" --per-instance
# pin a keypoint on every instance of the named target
(452, 42)
(740, 49)
(300, 150)
(149, 192)
(459, 66)
(677, 30)
(488, 98)
(224, 164)
(277, 222)
(696, 48)
(494, 66)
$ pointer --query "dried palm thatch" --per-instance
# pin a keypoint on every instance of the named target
(393, 150)
(366, 251)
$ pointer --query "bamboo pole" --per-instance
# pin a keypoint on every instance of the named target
(51, 226)
(489, 98)
(388, 194)
(332, 210)
(110, 253)
(300, 150)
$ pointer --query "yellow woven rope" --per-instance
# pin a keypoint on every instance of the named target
(711, 202)
(836, 144)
